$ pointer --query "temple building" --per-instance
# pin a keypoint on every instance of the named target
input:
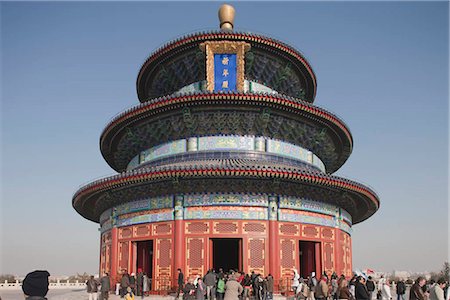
(225, 163)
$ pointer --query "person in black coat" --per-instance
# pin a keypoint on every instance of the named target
(370, 287)
(180, 282)
(401, 290)
(189, 290)
(361, 292)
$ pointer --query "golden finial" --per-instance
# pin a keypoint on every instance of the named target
(226, 17)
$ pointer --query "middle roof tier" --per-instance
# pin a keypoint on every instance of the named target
(200, 114)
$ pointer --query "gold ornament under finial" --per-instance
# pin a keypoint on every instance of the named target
(226, 17)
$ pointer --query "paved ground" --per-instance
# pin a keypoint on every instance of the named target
(68, 294)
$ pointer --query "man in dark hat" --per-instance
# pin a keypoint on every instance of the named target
(35, 285)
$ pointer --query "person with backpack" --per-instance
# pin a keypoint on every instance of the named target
(302, 290)
(401, 290)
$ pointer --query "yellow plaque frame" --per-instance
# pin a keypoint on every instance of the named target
(222, 47)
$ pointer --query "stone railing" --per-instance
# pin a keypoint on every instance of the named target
(59, 284)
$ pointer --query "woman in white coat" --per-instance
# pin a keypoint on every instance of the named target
(146, 285)
(295, 280)
(386, 291)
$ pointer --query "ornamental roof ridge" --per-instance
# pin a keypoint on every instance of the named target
(224, 165)
(221, 33)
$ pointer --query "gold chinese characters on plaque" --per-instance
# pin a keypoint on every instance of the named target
(225, 47)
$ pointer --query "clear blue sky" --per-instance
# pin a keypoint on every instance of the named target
(68, 68)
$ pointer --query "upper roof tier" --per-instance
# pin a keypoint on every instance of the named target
(268, 61)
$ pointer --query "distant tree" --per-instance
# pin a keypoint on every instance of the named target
(435, 276)
(80, 277)
(7, 277)
(445, 272)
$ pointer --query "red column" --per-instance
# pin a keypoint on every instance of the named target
(350, 255)
(274, 250)
(179, 247)
(100, 271)
(338, 251)
(274, 241)
(114, 257)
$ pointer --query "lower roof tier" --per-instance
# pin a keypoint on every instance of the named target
(179, 117)
(225, 176)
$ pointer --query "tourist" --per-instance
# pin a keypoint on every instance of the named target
(253, 276)
(352, 285)
(312, 283)
(269, 280)
(129, 295)
(145, 285)
(437, 291)
(35, 285)
(302, 290)
(210, 281)
(416, 292)
(139, 283)
(133, 282)
(201, 290)
(124, 284)
(232, 289)
(261, 288)
(180, 282)
(334, 286)
(386, 290)
(189, 290)
(343, 291)
(240, 277)
(92, 288)
(361, 292)
(295, 280)
(401, 290)
(105, 286)
(370, 287)
(220, 286)
(246, 283)
(321, 289)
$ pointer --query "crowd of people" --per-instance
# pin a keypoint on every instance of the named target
(132, 284)
(362, 288)
(235, 285)
(232, 285)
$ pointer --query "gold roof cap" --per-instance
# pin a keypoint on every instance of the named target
(226, 17)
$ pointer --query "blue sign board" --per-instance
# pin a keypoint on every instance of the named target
(225, 72)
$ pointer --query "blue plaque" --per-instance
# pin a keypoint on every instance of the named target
(225, 70)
